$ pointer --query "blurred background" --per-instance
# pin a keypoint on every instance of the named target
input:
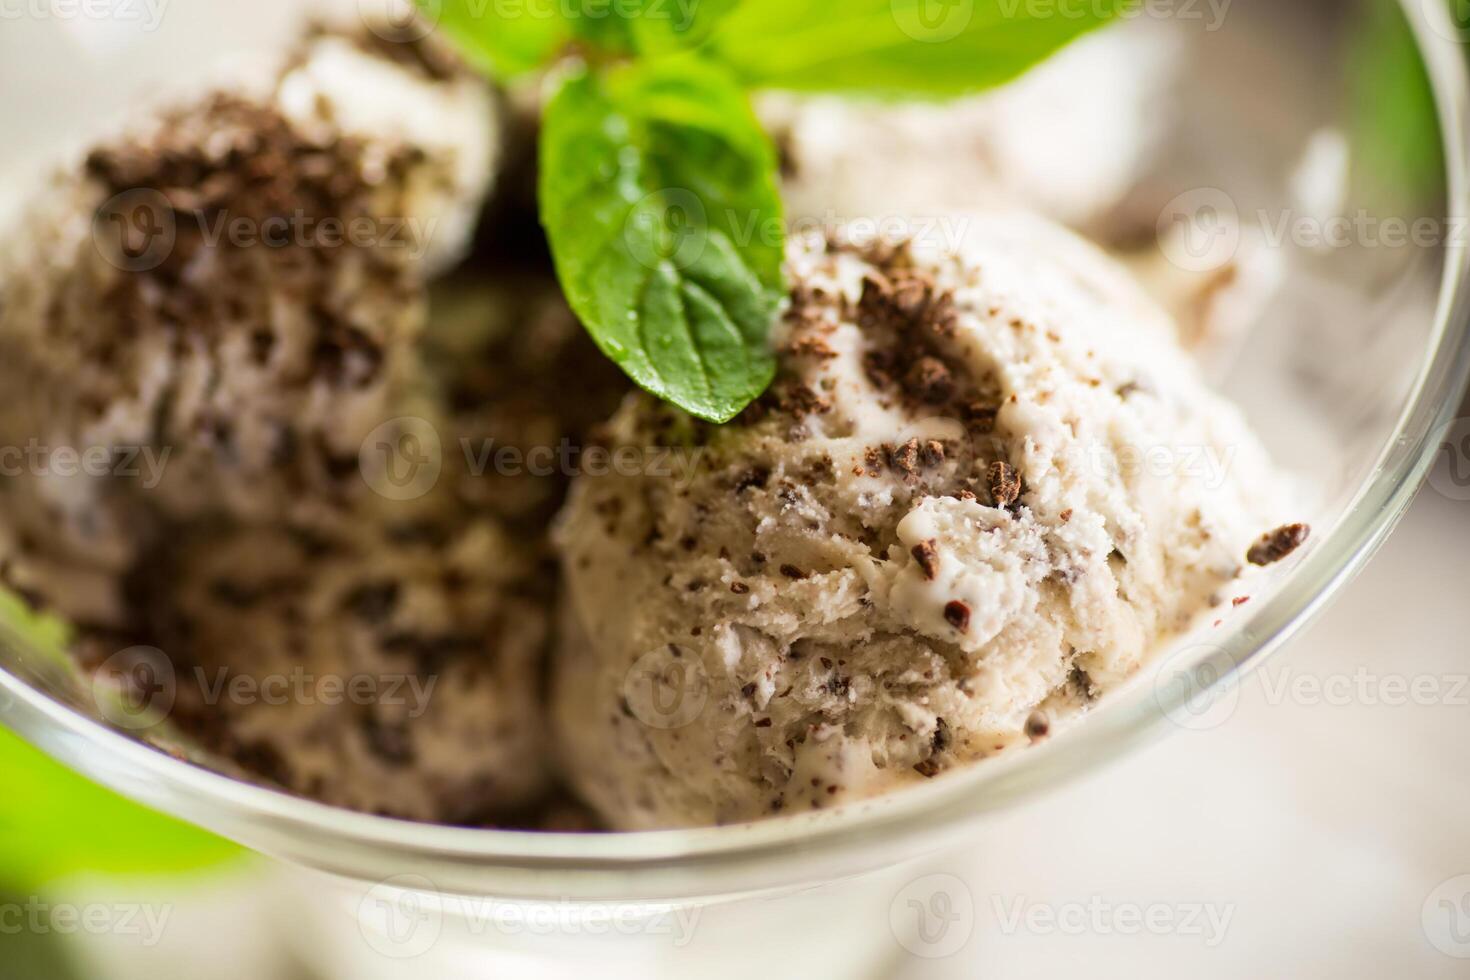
(1312, 824)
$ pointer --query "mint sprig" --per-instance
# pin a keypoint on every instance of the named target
(898, 48)
(659, 199)
(658, 188)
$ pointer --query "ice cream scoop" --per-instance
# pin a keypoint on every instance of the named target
(985, 487)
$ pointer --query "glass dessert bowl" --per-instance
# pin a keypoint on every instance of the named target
(1352, 372)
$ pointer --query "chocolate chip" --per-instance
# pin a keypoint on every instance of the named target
(1276, 545)
(1005, 483)
(927, 555)
(373, 603)
(930, 381)
(755, 477)
(1038, 726)
(391, 743)
(957, 614)
(912, 293)
(792, 572)
(942, 737)
(739, 588)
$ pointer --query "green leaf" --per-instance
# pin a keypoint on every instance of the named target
(649, 27)
(54, 822)
(503, 38)
(898, 48)
(668, 25)
(659, 198)
(1393, 127)
(603, 24)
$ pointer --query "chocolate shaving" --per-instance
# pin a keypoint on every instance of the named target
(1278, 544)
(957, 614)
(927, 555)
(1005, 483)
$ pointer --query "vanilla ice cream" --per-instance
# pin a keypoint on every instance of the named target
(986, 485)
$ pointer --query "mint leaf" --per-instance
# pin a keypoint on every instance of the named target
(649, 27)
(898, 48)
(659, 199)
(668, 25)
(502, 39)
(1393, 127)
(606, 24)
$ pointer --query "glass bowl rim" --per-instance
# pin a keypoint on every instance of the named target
(657, 866)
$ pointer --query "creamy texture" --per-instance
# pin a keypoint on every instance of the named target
(258, 369)
(1068, 138)
(987, 484)
(276, 556)
(1076, 139)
